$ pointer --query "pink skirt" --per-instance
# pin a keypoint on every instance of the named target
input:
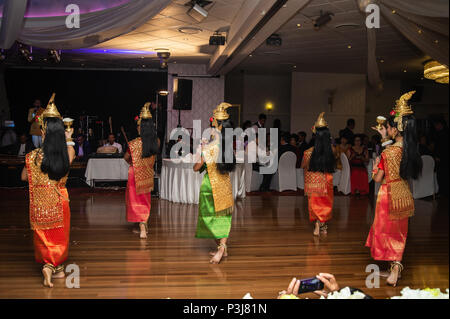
(138, 206)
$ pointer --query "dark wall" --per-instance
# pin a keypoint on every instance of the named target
(119, 94)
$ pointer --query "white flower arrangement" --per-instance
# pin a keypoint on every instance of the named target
(345, 293)
(427, 293)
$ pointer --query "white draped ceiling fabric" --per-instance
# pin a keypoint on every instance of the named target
(423, 23)
(95, 27)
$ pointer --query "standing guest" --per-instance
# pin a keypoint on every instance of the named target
(341, 148)
(358, 157)
(46, 171)
(348, 131)
(395, 204)
(35, 131)
(294, 142)
(82, 148)
(23, 147)
(261, 122)
(216, 203)
(245, 126)
(376, 145)
(441, 155)
(302, 143)
(112, 142)
(141, 155)
(319, 166)
(277, 125)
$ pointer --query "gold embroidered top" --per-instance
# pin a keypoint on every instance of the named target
(143, 167)
(315, 182)
(401, 202)
(46, 201)
(220, 183)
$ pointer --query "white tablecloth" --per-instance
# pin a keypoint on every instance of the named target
(106, 169)
(180, 184)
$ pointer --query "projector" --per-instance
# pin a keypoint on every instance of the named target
(198, 13)
(217, 39)
(274, 40)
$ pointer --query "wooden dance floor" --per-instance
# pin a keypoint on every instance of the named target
(271, 241)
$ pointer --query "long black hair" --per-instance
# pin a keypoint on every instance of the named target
(56, 158)
(322, 158)
(149, 138)
(227, 151)
(411, 164)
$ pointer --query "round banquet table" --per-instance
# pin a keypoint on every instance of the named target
(180, 184)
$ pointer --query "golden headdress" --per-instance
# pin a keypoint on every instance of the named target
(50, 111)
(402, 109)
(220, 113)
(145, 113)
(320, 122)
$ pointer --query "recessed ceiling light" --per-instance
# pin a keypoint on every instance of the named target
(250, 55)
(394, 12)
(381, 61)
(419, 31)
(299, 25)
(404, 71)
(189, 30)
(295, 66)
(436, 41)
(349, 46)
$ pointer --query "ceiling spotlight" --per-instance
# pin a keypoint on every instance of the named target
(323, 19)
(274, 40)
(217, 39)
(163, 55)
(55, 56)
(25, 53)
(197, 10)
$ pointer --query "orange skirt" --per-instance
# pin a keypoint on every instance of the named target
(320, 207)
(387, 238)
(51, 246)
(138, 206)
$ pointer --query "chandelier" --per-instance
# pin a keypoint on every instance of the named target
(435, 71)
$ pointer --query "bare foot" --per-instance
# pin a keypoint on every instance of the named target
(217, 256)
(47, 277)
(143, 231)
(59, 275)
(213, 252)
(316, 229)
(393, 276)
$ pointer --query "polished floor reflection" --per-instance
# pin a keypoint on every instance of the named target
(271, 241)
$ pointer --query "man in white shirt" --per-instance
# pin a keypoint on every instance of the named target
(261, 122)
(112, 142)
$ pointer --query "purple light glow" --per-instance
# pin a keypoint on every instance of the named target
(54, 8)
(110, 51)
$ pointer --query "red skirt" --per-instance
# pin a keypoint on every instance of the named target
(138, 206)
(319, 206)
(51, 246)
(387, 238)
(359, 180)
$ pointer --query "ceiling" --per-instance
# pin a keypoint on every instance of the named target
(339, 46)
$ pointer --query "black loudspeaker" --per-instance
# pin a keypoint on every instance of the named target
(182, 94)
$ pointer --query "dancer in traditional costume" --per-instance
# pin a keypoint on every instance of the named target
(141, 155)
(395, 204)
(216, 201)
(46, 171)
(319, 165)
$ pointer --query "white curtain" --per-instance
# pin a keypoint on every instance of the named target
(11, 23)
(95, 27)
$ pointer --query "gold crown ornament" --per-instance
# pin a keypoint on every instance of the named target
(50, 111)
(220, 114)
(145, 113)
(402, 109)
(320, 122)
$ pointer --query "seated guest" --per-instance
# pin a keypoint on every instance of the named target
(112, 142)
(23, 146)
(283, 148)
(423, 146)
(358, 157)
(341, 148)
(294, 142)
(302, 144)
(82, 148)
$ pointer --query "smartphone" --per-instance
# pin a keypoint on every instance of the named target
(310, 285)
